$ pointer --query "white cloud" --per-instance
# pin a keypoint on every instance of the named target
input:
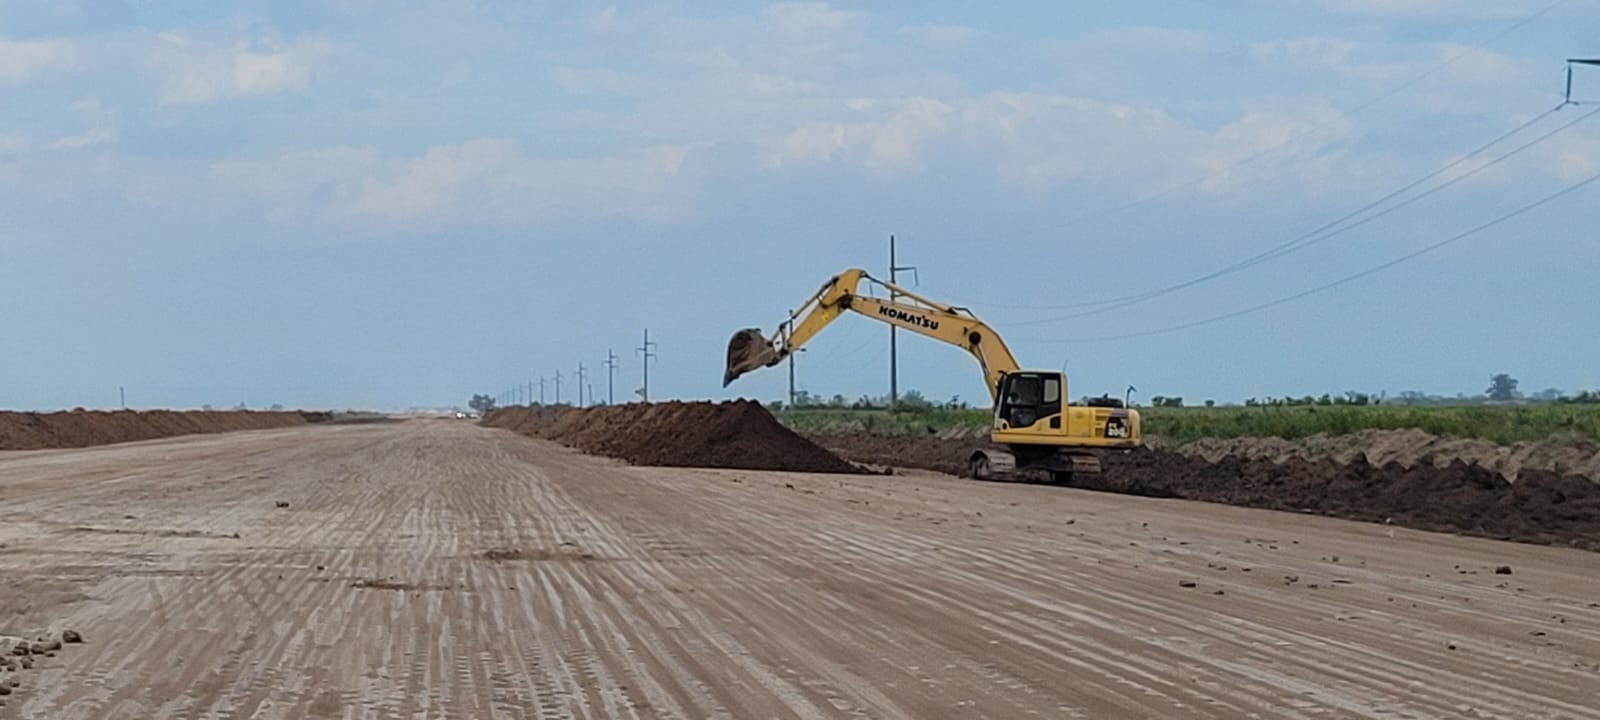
(1442, 77)
(22, 60)
(890, 143)
(486, 181)
(430, 180)
(939, 36)
(584, 81)
(1039, 141)
(1272, 140)
(14, 144)
(93, 136)
(1427, 8)
(802, 20)
(1322, 52)
(198, 73)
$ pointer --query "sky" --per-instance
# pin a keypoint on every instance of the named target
(355, 203)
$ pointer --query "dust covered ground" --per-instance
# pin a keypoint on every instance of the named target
(443, 570)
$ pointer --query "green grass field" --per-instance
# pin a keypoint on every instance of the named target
(1500, 424)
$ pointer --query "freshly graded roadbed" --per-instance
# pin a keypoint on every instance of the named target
(443, 570)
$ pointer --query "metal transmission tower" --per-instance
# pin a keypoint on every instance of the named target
(558, 387)
(648, 353)
(611, 374)
(894, 359)
(1577, 61)
(541, 391)
(582, 374)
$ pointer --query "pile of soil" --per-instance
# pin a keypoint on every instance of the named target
(1541, 507)
(1569, 455)
(738, 434)
(84, 428)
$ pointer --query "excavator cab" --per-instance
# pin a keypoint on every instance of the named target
(1029, 400)
(1031, 409)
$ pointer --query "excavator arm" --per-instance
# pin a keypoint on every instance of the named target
(750, 350)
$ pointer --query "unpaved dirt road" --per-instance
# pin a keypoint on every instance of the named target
(441, 570)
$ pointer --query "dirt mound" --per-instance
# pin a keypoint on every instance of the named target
(738, 434)
(1572, 455)
(84, 428)
(1541, 507)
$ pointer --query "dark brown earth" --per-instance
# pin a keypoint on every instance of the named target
(85, 428)
(1541, 507)
(738, 434)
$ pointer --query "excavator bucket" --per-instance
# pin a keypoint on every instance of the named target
(748, 350)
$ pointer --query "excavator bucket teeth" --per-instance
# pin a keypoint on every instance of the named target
(748, 350)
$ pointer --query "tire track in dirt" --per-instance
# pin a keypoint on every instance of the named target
(645, 593)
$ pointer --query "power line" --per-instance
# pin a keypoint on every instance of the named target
(1312, 238)
(1344, 280)
(1315, 128)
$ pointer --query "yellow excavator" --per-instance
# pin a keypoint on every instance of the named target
(1039, 430)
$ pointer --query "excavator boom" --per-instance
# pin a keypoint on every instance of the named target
(750, 350)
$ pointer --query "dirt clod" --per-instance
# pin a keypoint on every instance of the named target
(1186, 583)
(1503, 570)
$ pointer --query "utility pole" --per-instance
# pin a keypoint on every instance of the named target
(894, 359)
(581, 382)
(558, 387)
(611, 374)
(648, 352)
(1577, 61)
(791, 362)
(541, 391)
(122, 396)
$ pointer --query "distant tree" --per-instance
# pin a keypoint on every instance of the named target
(1211, 403)
(206, 407)
(912, 401)
(276, 407)
(1548, 395)
(838, 401)
(1502, 387)
(481, 403)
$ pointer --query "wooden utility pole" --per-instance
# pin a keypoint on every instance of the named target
(647, 351)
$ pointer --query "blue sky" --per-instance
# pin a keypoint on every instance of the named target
(385, 204)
